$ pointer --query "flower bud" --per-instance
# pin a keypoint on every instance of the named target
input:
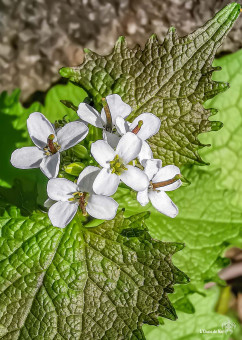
(74, 169)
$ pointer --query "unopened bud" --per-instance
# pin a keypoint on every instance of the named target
(74, 169)
(80, 151)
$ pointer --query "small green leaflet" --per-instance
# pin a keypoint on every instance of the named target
(87, 283)
(171, 80)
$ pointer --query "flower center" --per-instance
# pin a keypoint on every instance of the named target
(164, 183)
(138, 127)
(117, 166)
(51, 147)
(81, 197)
(109, 124)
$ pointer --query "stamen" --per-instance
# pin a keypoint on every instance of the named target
(81, 197)
(50, 143)
(116, 165)
(138, 127)
(83, 203)
(108, 115)
(165, 183)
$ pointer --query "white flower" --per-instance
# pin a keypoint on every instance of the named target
(144, 126)
(161, 180)
(115, 165)
(70, 196)
(49, 143)
(113, 108)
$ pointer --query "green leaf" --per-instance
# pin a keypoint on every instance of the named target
(206, 223)
(89, 283)
(172, 80)
(226, 152)
(188, 326)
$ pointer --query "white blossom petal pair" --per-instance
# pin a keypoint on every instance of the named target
(49, 143)
(116, 106)
(161, 180)
(144, 126)
(70, 196)
(116, 165)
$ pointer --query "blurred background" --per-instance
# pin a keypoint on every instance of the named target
(37, 37)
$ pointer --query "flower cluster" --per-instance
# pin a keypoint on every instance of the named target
(123, 156)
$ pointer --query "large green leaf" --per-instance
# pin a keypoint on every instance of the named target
(206, 223)
(82, 283)
(226, 152)
(188, 327)
(171, 80)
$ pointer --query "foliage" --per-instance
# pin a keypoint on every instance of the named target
(90, 283)
(171, 80)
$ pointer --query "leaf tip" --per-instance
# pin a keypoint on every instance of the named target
(216, 125)
(87, 50)
(65, 72)
(120, 40)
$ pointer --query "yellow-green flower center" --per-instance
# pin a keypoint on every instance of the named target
(117, 166)
(82, 198)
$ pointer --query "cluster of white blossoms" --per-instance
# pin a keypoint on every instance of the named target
(123, 145)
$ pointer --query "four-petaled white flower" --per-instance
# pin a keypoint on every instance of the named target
(70, 196)
(144, 126)
(49, 143)
(93, 186)
(113, 107)
(161, 180)
(116, 165)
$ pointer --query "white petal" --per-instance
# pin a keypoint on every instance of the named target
(27, 158)
(102, 207)
(61, 189)
(142, 197)
(145, 152)
(117, 108)
(86, 179)
(90, 115)
(111, 138)
(151, 125)
(102, 152)
(166, 173)
(71, 134)
(162, 202)
(39, 129)
(106, 183)
(50, 165)
(152, 166)
(129, 147)
(61, 213)
(122, 125)
(135, 178)
(49, 202)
